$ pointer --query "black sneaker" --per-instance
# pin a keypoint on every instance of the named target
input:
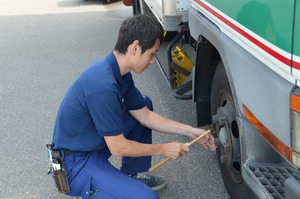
(154, 182)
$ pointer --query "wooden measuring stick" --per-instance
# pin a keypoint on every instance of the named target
(164, 161)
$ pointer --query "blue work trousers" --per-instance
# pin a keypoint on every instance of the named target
(92, 176)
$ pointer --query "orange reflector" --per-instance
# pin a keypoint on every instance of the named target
(295, 103)
(268, 135)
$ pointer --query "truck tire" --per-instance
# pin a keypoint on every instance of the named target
(228, 151)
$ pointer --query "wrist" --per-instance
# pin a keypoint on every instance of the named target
(160, 149)
(194, 132)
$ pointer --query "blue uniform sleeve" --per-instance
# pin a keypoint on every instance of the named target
(105, 108)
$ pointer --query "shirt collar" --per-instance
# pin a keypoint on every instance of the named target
(112, 61)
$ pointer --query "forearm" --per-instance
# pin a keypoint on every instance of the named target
(165, 125)
(136, 149)
(120, 146)
(159, 123)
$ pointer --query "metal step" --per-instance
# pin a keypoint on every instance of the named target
(272, 177)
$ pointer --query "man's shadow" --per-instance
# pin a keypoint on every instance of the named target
(77, 3)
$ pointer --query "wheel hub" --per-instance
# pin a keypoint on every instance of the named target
(227, 133)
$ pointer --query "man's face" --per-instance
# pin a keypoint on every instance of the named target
(145, 59)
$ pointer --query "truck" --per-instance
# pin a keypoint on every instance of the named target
(243, 73)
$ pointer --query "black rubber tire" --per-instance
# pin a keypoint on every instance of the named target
(221, 92)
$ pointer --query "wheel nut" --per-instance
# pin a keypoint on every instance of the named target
(222, 121)
(217, 142)
(223, 159)
(226, 147)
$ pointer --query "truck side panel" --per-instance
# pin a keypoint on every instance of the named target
(257, 85)
(262, 22)
(276, 58)
(296, 47)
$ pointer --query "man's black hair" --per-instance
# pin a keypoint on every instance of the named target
(144, 28)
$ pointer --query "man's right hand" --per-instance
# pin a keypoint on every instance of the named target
(175, 150)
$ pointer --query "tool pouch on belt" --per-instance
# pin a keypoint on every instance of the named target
(58, 171)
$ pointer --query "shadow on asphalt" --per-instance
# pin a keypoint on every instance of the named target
(67, 4)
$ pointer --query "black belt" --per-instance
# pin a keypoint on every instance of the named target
(69, 152)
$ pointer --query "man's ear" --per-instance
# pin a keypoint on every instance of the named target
(135, 46)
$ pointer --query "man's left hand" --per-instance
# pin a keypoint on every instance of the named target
(207, 141)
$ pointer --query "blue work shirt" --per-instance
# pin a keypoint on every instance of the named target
(92, 107)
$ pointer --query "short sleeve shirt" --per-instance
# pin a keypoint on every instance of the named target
(92, 107)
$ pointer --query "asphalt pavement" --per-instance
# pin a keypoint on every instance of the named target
(44, 46)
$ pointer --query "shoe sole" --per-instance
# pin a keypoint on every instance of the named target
(162, 186)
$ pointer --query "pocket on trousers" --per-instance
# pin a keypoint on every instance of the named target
(79, 179)
(81, 186)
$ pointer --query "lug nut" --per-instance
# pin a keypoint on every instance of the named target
(221, 121)
(218, 120)
(226, 147)
(215, 119)
(223, 159)
(217, 141)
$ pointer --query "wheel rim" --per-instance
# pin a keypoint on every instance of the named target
(228, 134)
